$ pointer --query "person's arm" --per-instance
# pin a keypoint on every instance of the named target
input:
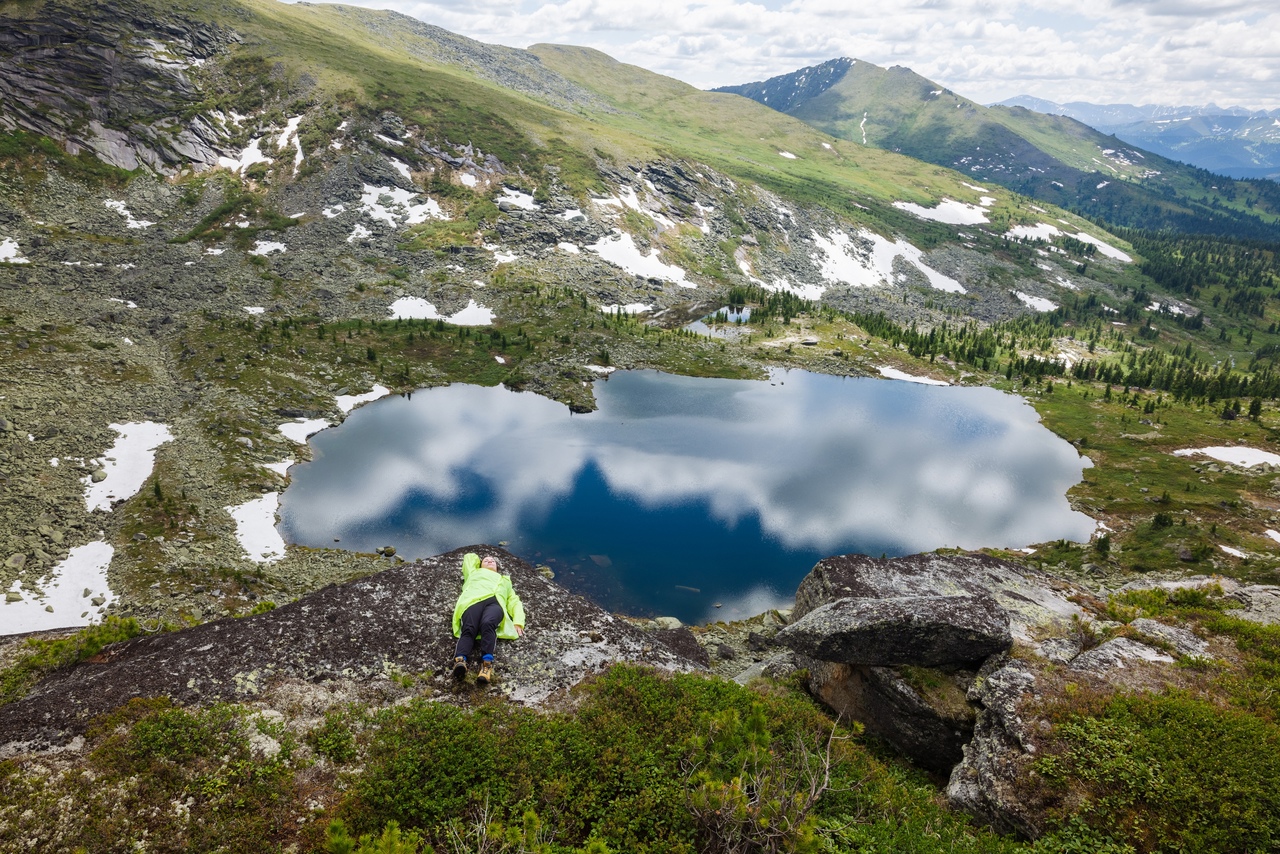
(516, 609)
(470, 563)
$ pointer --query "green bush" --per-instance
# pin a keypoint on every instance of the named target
(1170, 773)
(620, 772)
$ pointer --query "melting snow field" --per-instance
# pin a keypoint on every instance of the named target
(1037, 303)
(256, 528)
(620, 250)
(1236, 456)
(129, 220)
(1044, 231)
(629, 308)
(291, 132)
(416, 308)
(841, 263)
(128, 463)
(1233, 552)
(266, 247)
(299, 430)
(9, 252)
(252, 154)
(949, 211)
(348, 402)
(393, 205)
(524, 201)
(66, 596)
(895, 374)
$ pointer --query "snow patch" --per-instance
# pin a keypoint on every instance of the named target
(787, 154)
(266, 247)
(299, 429)
(254, 309)
(416, 308)
(252, 154)
(348, 402)
(256, 528)
(629, 308)
(841, 262)
(291, 132)
(524, 201)
(9, 252)
(895, 374)
(620, 250)
(571, 248)
(1035, 303)
(1236, 456)
(129, 221)
(359, 232)
(467, 179)
(1232, 552)
(331, 212)
(1044, 231)
(127, 463)
(85, 568)
(402, 168)
(394, 206)
(601, 370)
(948, 210)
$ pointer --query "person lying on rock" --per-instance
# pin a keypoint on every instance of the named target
(488, 608)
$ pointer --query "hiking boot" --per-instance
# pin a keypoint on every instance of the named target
(460, 668)
(485, 676)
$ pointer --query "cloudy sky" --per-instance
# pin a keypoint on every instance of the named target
(1104, 51)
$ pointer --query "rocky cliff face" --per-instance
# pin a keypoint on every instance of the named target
(113, 79)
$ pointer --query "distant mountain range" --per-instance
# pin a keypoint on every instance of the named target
(1040, 153)
(1233, 141)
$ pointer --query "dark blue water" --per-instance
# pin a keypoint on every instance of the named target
(681, 493)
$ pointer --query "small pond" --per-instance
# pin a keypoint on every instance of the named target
(680, 493)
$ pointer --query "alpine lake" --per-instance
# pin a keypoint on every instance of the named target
(697, 498)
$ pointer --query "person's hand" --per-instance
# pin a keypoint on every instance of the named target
(519, 631)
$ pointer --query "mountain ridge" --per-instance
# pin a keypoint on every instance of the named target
(1052, 158)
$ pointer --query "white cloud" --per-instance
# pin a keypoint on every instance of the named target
(1107, 51)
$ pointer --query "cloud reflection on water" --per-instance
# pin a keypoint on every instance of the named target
(823, 464)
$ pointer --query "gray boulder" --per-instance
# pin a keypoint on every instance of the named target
(1117, 654)
(1182, 641)
(1037, 605)
(985, 783)
(920, 630)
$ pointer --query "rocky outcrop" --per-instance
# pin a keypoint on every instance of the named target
(985, 784)
(1036, 604)
(111, 79)
(920, 630)
(397, 622)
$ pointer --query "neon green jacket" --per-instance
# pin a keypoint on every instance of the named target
(479, 584)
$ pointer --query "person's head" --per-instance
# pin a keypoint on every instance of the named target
(490, 562)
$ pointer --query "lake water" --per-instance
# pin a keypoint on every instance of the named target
(681, 493)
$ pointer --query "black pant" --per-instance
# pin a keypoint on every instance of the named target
(483, 619)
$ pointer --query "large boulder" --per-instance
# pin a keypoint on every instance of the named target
(1037, 604)
(919, 630)
(384, 629)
